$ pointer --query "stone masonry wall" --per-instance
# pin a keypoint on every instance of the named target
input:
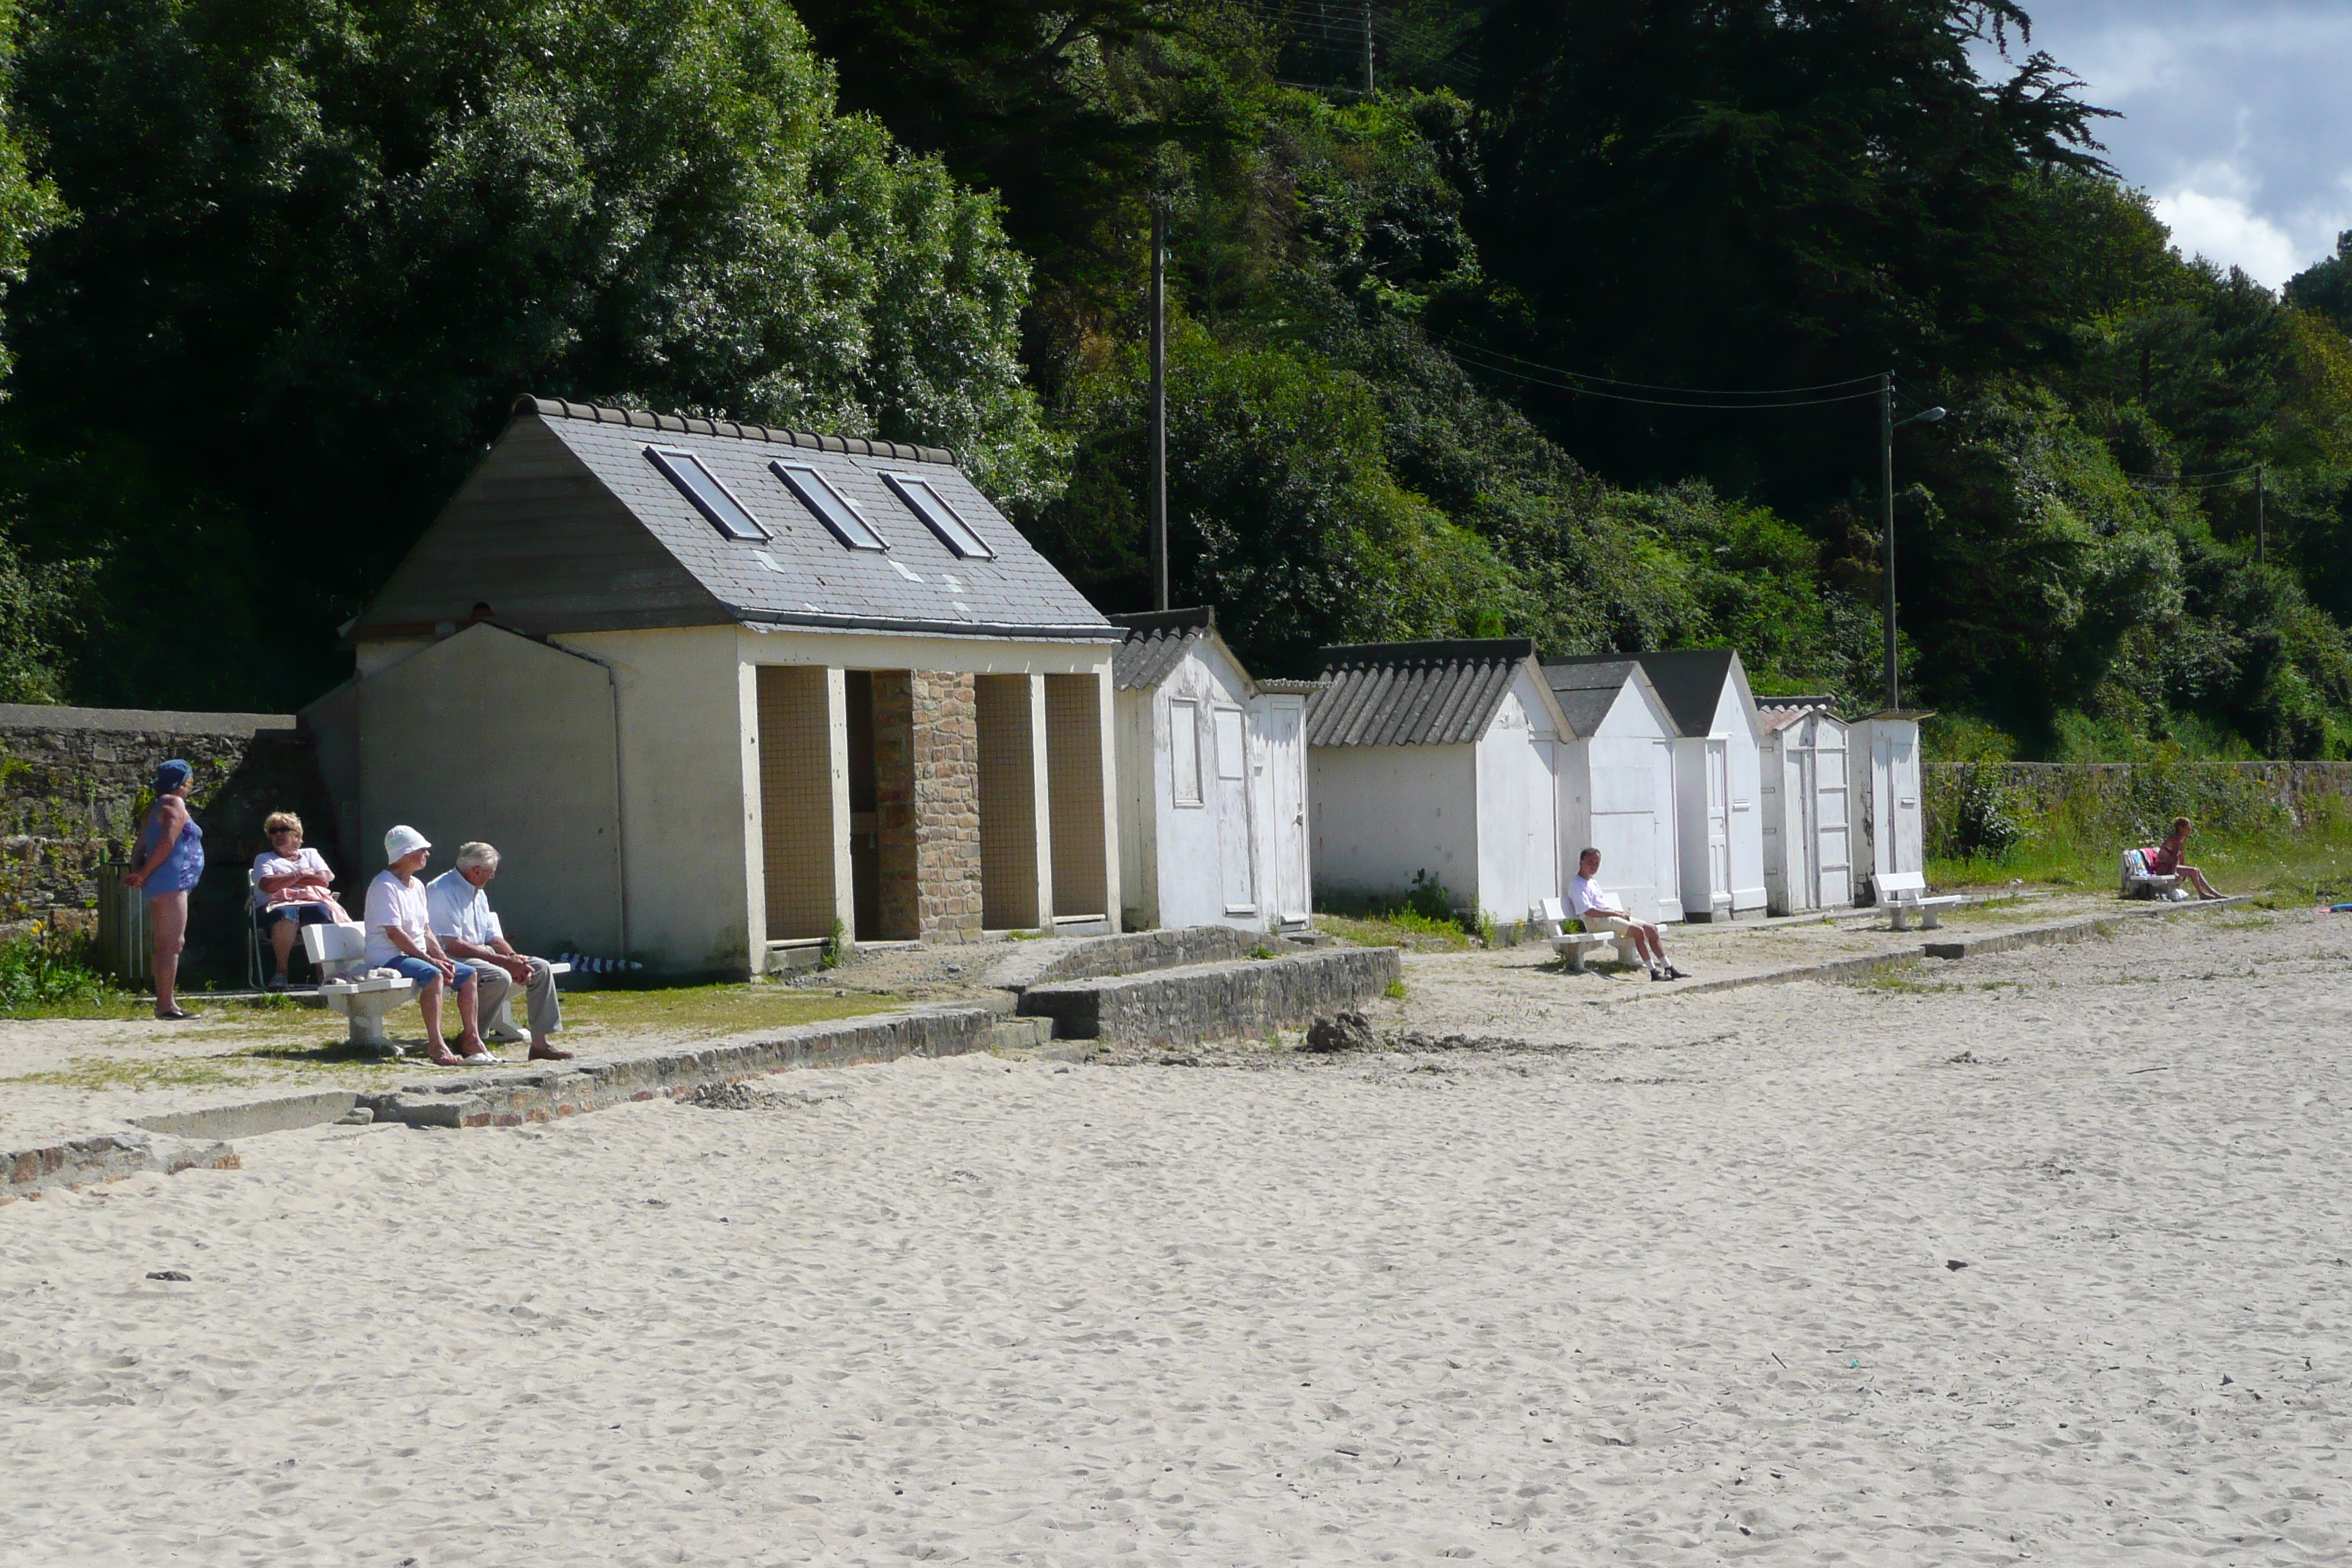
(947, 805)
(73, 782)
(1251, 999)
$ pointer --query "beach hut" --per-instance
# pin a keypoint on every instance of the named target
(1617, 781)
(1436, 760)
(1806, 806)
(1883, 766)
(1716, 780)
(1211, 781)
(722, 694)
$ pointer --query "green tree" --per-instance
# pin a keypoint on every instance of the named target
(320, 248)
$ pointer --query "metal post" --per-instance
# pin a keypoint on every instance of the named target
(1159, 405)
(1367, 46)
(1887, 485)
(2261, 521)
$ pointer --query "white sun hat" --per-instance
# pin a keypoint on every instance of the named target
(403, 840)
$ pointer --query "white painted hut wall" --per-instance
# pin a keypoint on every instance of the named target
(1191, 841)
(1788, 855)
(1278, 751)
(1834, 838)
(1519, 809)
(1382, 813)
(1736, 722)
(1616, 791)
(1142, 797)
(1883, 760)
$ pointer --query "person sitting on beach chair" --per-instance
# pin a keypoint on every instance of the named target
(1588, 903)
(2164, 860)
(462, 920)
(293, 888)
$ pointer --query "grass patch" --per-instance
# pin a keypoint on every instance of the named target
(1403, 928)
(48, 975)
(1396, 991)
(2309, 865)
(97, 1074)
(715, 1009)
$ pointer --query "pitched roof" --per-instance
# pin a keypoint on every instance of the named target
(1414, 694)
(1157, 642)
(567, 525)
(1586, 688)
(1689, 681)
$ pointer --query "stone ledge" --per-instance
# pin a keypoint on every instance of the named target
(106, 1157)
(1251, 999)
(1099, 957)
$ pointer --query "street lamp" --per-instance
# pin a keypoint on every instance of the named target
(1888, 425)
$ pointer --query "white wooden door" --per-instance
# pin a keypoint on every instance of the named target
(1903, 777)
(1798, 884)
(1285, 762)
(1236, 852)
(1719, 821)
(1833, 813)
(1667, 846)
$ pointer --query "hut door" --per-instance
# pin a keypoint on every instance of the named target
(1232, 809)
(1830, 810)
(1800, 779)
(1718, 820)
(1285, 762)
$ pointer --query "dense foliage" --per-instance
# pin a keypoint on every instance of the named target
(278, 268)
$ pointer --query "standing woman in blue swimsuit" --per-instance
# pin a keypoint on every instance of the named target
(171, 855)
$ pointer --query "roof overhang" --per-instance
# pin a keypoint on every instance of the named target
(817, 621)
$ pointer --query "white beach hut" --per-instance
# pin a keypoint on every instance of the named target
(1211, 781)
(1617, 781)
(1806, 806)
(1882, 763)
(1718, 780)
(1437, 759)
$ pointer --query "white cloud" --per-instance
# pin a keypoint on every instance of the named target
(2221, 226)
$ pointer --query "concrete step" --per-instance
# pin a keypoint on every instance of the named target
(1248, 999)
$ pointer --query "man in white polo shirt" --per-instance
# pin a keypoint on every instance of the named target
(1588, 903)
(462, 920)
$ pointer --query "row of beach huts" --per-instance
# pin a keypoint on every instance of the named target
(728, 696)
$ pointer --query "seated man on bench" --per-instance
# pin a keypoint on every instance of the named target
(1588, 903)
(462, 920)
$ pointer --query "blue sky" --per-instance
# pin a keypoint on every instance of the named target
(2238, 116)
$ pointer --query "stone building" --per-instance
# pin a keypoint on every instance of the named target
(722, 693)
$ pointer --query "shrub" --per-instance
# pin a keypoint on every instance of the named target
(48, 971)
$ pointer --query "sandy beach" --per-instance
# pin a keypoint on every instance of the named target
(2039, 1257)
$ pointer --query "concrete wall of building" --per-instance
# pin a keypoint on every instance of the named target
(1383, 812)
(487, 735)
(1883, 762)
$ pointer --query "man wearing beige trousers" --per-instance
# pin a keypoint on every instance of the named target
(462, 920)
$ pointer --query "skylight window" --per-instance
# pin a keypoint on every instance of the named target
(831, 508)
(711, 499)
(944, 519)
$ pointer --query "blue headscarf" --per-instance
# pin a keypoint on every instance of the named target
(171, 776)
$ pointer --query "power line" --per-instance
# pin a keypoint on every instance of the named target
(1668, 402)
(1582, 376)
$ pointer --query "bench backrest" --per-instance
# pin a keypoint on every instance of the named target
(334, 943)
(1894, 886)
(1551, 909)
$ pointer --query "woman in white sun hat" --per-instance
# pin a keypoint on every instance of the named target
(400, 937)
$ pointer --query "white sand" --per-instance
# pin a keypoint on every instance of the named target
(1677, 1296)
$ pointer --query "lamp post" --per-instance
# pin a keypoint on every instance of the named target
(1159, 404)
(1888, 425)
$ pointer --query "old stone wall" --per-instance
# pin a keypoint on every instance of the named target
(947, 805)
(74, 783)
(1028, 964)
(2134, 803)
(1251, 999)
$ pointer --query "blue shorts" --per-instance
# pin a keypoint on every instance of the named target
(313, 914)
(424, 974)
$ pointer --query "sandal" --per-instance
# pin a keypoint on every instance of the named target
(175, 1015)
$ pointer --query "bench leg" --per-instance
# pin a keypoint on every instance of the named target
(1928, 921)
(1900, 916)
(367, 1030)
(1576, 960)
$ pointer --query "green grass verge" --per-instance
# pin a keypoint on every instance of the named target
(1396, 927)
(2309, 865)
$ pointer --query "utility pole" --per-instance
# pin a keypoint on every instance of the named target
(1886, 550)
(1159, 404)
(1368, 47)
(2261, 521)
(1888, 425)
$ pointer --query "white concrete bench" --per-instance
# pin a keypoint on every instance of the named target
(1549, 919)
(2139, 882)
(1903, 894)
(334, 951)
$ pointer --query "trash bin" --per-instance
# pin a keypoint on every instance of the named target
(123, 936)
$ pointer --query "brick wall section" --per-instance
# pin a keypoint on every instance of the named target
(1251, 999)
(947, 805)
(71, 780)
